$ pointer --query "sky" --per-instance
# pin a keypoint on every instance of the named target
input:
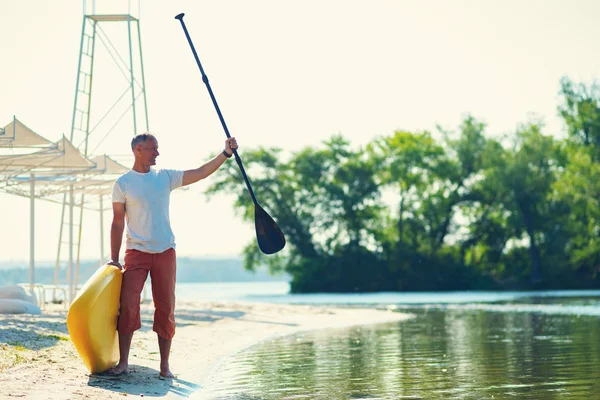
(286, 74)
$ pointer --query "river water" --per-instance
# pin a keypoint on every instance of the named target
(459, 345)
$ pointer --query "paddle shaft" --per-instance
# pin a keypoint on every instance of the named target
(214, 101)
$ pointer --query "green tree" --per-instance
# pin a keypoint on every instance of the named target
(580, 109)
(578, 185)
(579, 189)
(411, 211)
(404, 163)
(326, 202)
(522, 179)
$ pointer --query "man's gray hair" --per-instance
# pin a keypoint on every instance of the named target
(141, 138)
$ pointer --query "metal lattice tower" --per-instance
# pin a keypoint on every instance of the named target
(88, 132)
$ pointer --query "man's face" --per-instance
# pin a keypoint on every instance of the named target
(148, 151)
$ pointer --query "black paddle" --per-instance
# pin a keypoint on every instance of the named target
(269, 236)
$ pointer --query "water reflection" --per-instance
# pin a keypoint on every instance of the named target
(445, 352)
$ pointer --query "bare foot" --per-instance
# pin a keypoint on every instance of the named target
(118, 369)
(165, 372)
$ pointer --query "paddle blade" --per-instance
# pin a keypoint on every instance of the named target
(269, 236)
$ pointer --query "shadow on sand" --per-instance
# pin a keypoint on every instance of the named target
(143, 381)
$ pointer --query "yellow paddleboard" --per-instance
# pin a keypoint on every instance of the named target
(92, 319)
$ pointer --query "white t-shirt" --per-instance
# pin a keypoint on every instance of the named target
(146, 197)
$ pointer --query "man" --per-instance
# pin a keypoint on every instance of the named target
(141, 196)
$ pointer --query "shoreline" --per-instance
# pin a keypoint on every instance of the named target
(208, 334)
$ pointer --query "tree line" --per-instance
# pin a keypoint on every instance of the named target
(448, 210)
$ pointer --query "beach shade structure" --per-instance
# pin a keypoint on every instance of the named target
(93, 181)
(17, 135)
(61, 158)
(107, 165)
(51, 188)
(34, 167)
(57, 170)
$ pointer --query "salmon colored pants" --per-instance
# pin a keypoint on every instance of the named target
(161, 267)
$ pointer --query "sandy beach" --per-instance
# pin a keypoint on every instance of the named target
(38, 361)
